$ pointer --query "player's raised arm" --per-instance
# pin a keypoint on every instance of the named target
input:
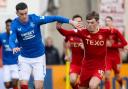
(122, 40)
(66, 32)
(49, 19)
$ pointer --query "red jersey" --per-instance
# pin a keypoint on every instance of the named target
(113, 52)
(95, 46)
(75, 47)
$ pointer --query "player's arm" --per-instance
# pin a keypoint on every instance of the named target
(66, 32)
(50, 19)
(122, 42)
(13, 38)
(0, 41)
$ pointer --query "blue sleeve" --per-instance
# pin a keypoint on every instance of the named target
(0, 41)
(13, 36)
(49, 19)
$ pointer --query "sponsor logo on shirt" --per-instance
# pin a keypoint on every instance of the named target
(28, 35)
(75, 44)
(95, 42)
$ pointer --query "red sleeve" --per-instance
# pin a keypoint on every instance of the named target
(66, 33)
(122, 42)
(66, 39)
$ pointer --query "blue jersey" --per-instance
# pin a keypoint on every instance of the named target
(7, 55)
(29, 34)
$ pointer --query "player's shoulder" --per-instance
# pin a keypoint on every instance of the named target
(85, 30)
(3, 34)
(104, 29)
(15, 21)
(34, 16)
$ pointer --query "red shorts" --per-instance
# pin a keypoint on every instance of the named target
(86, 75)
(112, 63)
(75, 69)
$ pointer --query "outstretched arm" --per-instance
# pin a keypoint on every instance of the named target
(49, 19)
(65, 32)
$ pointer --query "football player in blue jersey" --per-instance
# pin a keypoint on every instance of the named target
(26, 28)
(11, 74)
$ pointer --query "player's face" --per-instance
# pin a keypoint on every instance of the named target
(8, 26)
(91, 25)
(108, 22)
(78, 19)
(23, 15)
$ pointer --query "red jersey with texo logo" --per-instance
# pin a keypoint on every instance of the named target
(76, 49)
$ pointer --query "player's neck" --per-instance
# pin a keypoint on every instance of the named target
(23, 22)
(111, 26)
(96, 30)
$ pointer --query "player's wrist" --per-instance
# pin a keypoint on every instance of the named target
(74, 23)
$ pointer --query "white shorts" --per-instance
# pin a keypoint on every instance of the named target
(36, 66)
(10, 72)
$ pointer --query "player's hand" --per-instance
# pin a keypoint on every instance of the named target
(80, 26)
(15, 50)
(108, 43)
(67, 58)
(58, 25)
(82, 46)
(77, 25)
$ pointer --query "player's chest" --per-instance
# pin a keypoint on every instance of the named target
(26, 29)
(94, 39)
(75, 42)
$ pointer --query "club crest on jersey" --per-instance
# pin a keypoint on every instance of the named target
(89, 36)
(100, 37)
(19, 29)
(32, 24)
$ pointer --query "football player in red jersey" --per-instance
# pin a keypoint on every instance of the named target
(94, 39)
(77, 51)
(113, 60)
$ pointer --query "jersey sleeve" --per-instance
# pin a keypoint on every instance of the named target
(13, 36)
(0, 41)
(49, 19)
(68, 33)
(122, 42)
